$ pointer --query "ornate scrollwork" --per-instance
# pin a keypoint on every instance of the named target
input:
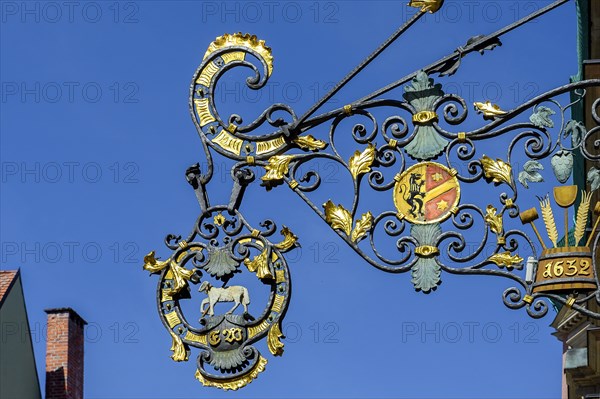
(418, 154)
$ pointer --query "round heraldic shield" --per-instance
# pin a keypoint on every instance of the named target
(427, 192)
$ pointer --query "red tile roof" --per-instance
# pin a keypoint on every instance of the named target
(7, 277)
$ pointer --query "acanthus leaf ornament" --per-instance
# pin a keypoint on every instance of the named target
(360, 163)
(276, 168)
(362, 227)
(338, 217)
(308, 142)
(489, 110)
(497, 170)
(508, 260)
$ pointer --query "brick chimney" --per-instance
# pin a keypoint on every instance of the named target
(64, 354)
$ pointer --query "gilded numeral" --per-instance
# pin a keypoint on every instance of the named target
(233, 335)
(571, 267)
(585, 268)
(548, 271)
(558, 268)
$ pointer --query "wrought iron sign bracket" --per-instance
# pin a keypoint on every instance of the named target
(421, 157)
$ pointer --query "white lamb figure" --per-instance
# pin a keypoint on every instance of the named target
(235, 293)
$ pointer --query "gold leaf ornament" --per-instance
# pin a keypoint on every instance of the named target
(338, 217)
(489, 110)
(497, 170)
(243, 40)
(426, 5)
(493, 220)
(289, 240)
(273, 340)
(180, 352)
(361, 162)
(277, 167)
(181, 275)
(259, 265)
(308, 142)
(508, 260)
(362, 226)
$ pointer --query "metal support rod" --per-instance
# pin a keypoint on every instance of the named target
(360, 67)
(467, 49)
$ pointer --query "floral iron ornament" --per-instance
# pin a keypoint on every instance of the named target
(411, 150)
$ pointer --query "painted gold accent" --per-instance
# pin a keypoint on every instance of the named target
(263, 147)
(393, 143)
(201, 339)
(235, 383)
(454, 210)
(231, 128)
(582, 216)
(182, 244)
(180, 352)
(348, 109)
(259, 265)
(172, 319)
(235, 56)
(293, 184)
(165, 296)
(207, 74)
(244, 40)
(427, 251)
(203, 111)
(273, 340)
(179, 274)
(462, 137)
(509, 203)
(255, 330)
(255, 233)
(565, 269)
(278, 303)
(489, 110)
(565, 196)
(453, 172)
(362, 226)
(308, 142)
(430, 6)
(506, 259)
(219, 219)
(528, 299)
(400, 216)
(424, 117)
(289, 240)
(570, 302)
(338, 217)
(361, 162)
(398, 177)
(548, 217)
(228, 142)
(277, 167)
(250, 159)
(279, 276)
(498, 171)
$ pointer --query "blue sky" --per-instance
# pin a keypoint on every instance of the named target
(95, 139)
